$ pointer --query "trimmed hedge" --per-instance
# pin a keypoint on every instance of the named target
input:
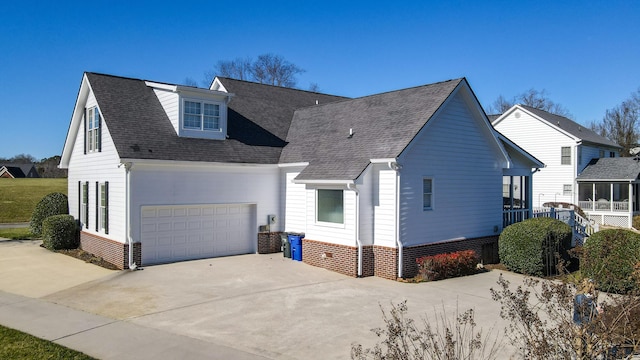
(60, 232)
(636, 222)
(51, 204)
(524, 247)
(445, 266)
(609, 257)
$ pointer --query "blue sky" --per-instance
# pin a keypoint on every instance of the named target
(585, 54)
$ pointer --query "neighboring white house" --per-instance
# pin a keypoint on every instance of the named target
(564, 146)
(180, 173)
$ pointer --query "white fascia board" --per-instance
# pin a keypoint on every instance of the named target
(202, 164)
(74, 125)
(217, 85)
(383, 160)
(605, 180)
(293, 164)
(161, 86)
(323, 182)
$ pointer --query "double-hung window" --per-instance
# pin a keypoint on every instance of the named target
(567, 190)
(565, 155)
(93, 129)
(427, 194)
(330, 206)
(104, 207)
(84, 207)
(201, 116)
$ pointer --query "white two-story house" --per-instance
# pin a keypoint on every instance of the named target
(565, 147)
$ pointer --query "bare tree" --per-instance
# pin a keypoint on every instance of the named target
(622, 124)
(266, 69)
(23, 159)
(532, 97)
(188, 81)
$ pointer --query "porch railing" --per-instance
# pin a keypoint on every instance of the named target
(604, 205)
(581, 228)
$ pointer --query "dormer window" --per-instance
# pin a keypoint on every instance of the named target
(201, 116)
(194, 112)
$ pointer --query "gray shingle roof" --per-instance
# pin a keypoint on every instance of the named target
(383, 126)
(619, 168)
(258, 121)
(571, 127)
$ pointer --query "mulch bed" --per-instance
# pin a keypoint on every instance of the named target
(90, 258)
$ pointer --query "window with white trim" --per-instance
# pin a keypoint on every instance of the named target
(565, 155)
(200, 115)
(330, 206)
(567, 189)
(84, 207)
(104, 207)
(93, 129)
(427, 194)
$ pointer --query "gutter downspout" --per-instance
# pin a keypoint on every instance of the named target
(352, 186)
(396, 167)
(127, 169)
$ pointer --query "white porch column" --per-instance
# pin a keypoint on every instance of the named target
(630, 204)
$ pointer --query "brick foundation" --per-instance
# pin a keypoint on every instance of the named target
(112, 251)
(382, 261)
(385, 262)
(485, 247)
(269, 242)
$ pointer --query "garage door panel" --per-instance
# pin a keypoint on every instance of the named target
(184, 232)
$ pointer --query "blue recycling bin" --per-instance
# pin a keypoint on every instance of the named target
(296, 246)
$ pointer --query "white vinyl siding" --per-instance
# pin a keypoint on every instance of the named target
(469, 184)
(99, 167)
(155, 185)
(385, 207)
(544, 142)
(169, 101)
(295, 204)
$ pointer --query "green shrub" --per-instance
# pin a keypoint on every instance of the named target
(609, 257)
(529, 247)
(60, 232)
(445, 266)
(51, 204)
(636, 222)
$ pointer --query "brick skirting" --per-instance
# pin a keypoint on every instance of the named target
(339, 258)
(269, 242)
(112, 251)
(485, 247)
(382, 261)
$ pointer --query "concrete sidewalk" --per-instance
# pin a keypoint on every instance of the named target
(105, 338)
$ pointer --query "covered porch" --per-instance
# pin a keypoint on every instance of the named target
(608, 191)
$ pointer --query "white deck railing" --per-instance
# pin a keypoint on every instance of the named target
(604, 205)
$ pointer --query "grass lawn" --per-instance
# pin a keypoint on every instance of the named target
(18, 345)
(16, 234)
(18, 197)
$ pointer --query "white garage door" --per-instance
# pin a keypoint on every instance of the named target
(186, 232)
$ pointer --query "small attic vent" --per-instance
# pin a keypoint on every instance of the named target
(517, 115)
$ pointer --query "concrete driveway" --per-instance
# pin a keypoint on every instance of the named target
(274, 307)
(30, 270)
